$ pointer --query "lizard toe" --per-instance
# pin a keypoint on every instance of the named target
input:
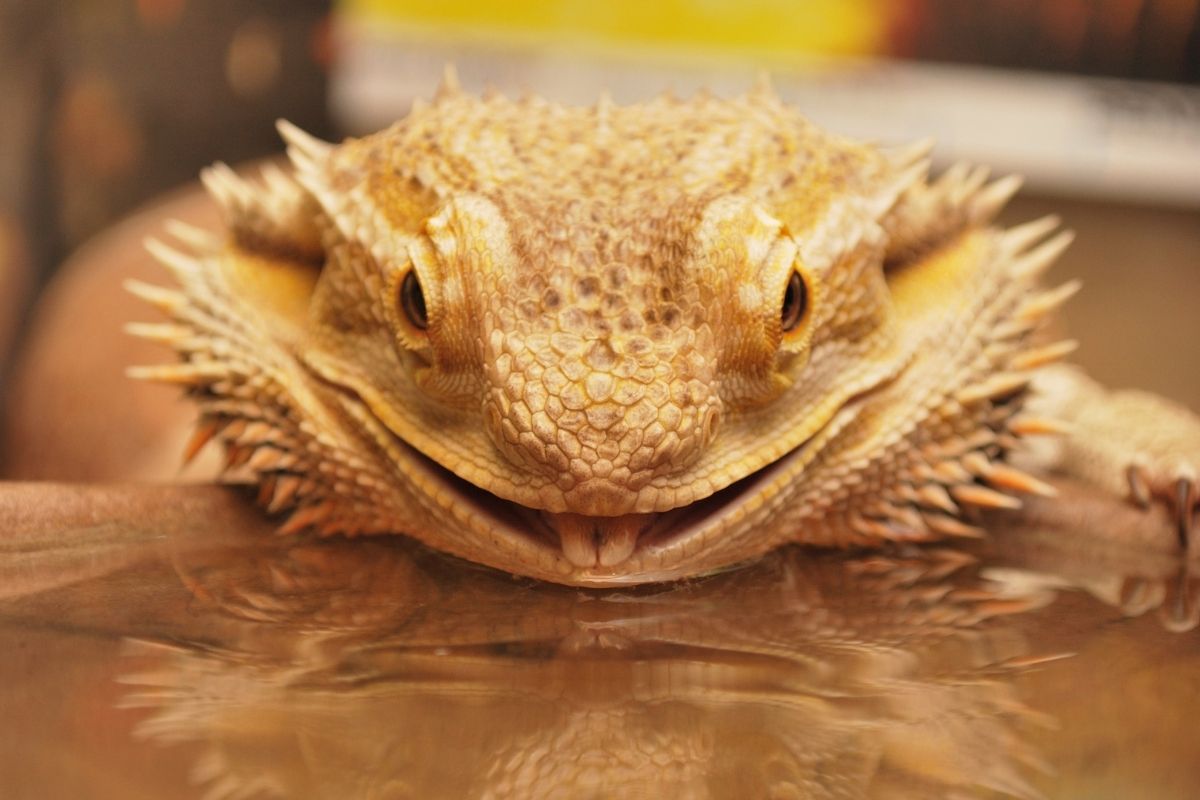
(1180, 610)
(1185, 507)
(1174, 486)
(1139, 485)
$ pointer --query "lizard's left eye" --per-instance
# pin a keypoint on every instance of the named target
(412, 300)
(795, 302)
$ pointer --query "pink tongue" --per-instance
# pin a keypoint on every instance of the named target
(598, 541)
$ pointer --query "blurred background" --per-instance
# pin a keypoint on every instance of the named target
(110, 103)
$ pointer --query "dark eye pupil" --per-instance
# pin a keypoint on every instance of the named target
(795, 301)
(412, 300)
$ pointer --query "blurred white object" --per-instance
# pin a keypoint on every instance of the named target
(1136, 141)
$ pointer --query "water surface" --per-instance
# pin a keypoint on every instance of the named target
(163, 643)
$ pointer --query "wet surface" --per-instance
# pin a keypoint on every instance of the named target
(163, 643)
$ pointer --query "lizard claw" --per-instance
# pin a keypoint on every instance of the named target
(1175, 598)
(1176, 487)
(1180, 610)
(1185, 507)
(1139, 491)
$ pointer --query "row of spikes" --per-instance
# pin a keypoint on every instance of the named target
(926, 213)
(314, 480)
(242, 406)
(929, 576)
(222, 351)
(352, 212)
(205, 326)
(762, 90)
(312, 486)
(969, 472)
(275, 214)
(930, 503)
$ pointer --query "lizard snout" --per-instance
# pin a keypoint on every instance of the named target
(601, 424)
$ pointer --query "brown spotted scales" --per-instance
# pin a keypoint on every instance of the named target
(620, 344)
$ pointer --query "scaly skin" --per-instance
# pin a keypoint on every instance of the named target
(617, 345)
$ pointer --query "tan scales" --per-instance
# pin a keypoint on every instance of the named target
(614, 344)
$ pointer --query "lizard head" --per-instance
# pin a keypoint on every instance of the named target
(601, 315)
(584, 344)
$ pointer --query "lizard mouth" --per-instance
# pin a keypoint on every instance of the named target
(593, 550)
(702, 536)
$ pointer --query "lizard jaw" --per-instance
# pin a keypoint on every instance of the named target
(596, 543)
(590, 550)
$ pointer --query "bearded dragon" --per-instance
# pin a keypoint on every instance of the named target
(620, 344)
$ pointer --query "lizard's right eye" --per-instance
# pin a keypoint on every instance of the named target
(412, 300)
(795, 303)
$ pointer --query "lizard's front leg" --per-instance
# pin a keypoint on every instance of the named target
(1131, 443)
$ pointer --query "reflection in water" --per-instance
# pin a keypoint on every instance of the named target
(368, 671)
(300, 668)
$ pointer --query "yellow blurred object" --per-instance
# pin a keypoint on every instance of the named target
(770, 28)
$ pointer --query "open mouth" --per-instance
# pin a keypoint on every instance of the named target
(594, 546)
(701, 536)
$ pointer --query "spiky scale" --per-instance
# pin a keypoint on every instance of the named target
(1018, 239)
(167, 334)
(936, 496)
(906, 155)
(1026, 425)
(237, 456)
(285, 489)
(1040, 305)
(264, 459)
(305, 142)
(994, 386)
(994, 197)
(1035, 262)
(198, 239)
(950, 472)
(1047, 354)
(182, 265)
(166, 300)
(1004, 476)
(450, 87)
(307, 516)
(185, 374)
(230, 191)
(948, 525)
(983, 497)
(207, 428)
